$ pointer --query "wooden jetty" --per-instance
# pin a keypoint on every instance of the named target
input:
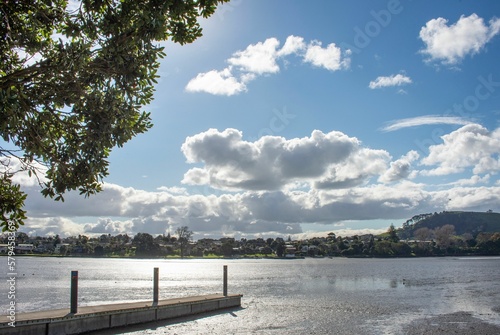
(92, 318)
(82, 319)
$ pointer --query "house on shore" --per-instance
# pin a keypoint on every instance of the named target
(290, 251)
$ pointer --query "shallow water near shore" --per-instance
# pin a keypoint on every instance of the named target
(313, 296)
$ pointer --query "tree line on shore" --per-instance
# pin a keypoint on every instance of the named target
(441, 241)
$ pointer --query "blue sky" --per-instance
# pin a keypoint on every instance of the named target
(304, 117)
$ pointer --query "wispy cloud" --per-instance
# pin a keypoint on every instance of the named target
(394, 80)
(423, 121)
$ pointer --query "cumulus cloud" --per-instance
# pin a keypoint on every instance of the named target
(451, 43)
(470, 147)
(330, 58)
(356, 170)
(400, 169)
(293, 45)
(259, 58)
(279, 184)
(470, 198)
(71, 207)
(393, 80)
(423, 121)
(332, 160)
(217, 83)
(52, 226)
(262, 59)
(108, 226)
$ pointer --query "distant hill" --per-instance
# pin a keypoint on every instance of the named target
(464, 222)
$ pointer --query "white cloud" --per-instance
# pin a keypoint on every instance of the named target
(108, 226)
(393, 80)
(471, 198)
(450, 44)
(14, 165)
(424, 120)
(470, 147)
(357, 169)
(261, 59)
(474, 180)
(400, 169)
(52, 226)
(330, 58)
(217, 83)
(293, 45)
(113, 204)
(196, 176)
(329, 160)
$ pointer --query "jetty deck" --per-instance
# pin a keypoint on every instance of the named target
(91, 318)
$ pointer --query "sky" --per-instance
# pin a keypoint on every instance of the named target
(300, 118)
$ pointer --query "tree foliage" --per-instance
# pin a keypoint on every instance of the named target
(444, 234)
(74, 78)
(145, 245)
(11, 204)
(393, 236)
(185, 236)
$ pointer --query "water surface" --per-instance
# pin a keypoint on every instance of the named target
(313, 296)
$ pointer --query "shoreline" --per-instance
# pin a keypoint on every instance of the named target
(247, 257)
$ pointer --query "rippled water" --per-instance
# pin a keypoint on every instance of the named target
(313, 296)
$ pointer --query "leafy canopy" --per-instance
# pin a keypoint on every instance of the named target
(74, 77)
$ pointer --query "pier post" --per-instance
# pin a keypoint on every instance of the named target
(156, 278)
(224, 289)
(74, 292)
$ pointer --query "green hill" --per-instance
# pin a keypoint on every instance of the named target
(464, 222)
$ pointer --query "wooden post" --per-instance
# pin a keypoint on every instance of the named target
(224, 290)
(74, 292)
(156, 278)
